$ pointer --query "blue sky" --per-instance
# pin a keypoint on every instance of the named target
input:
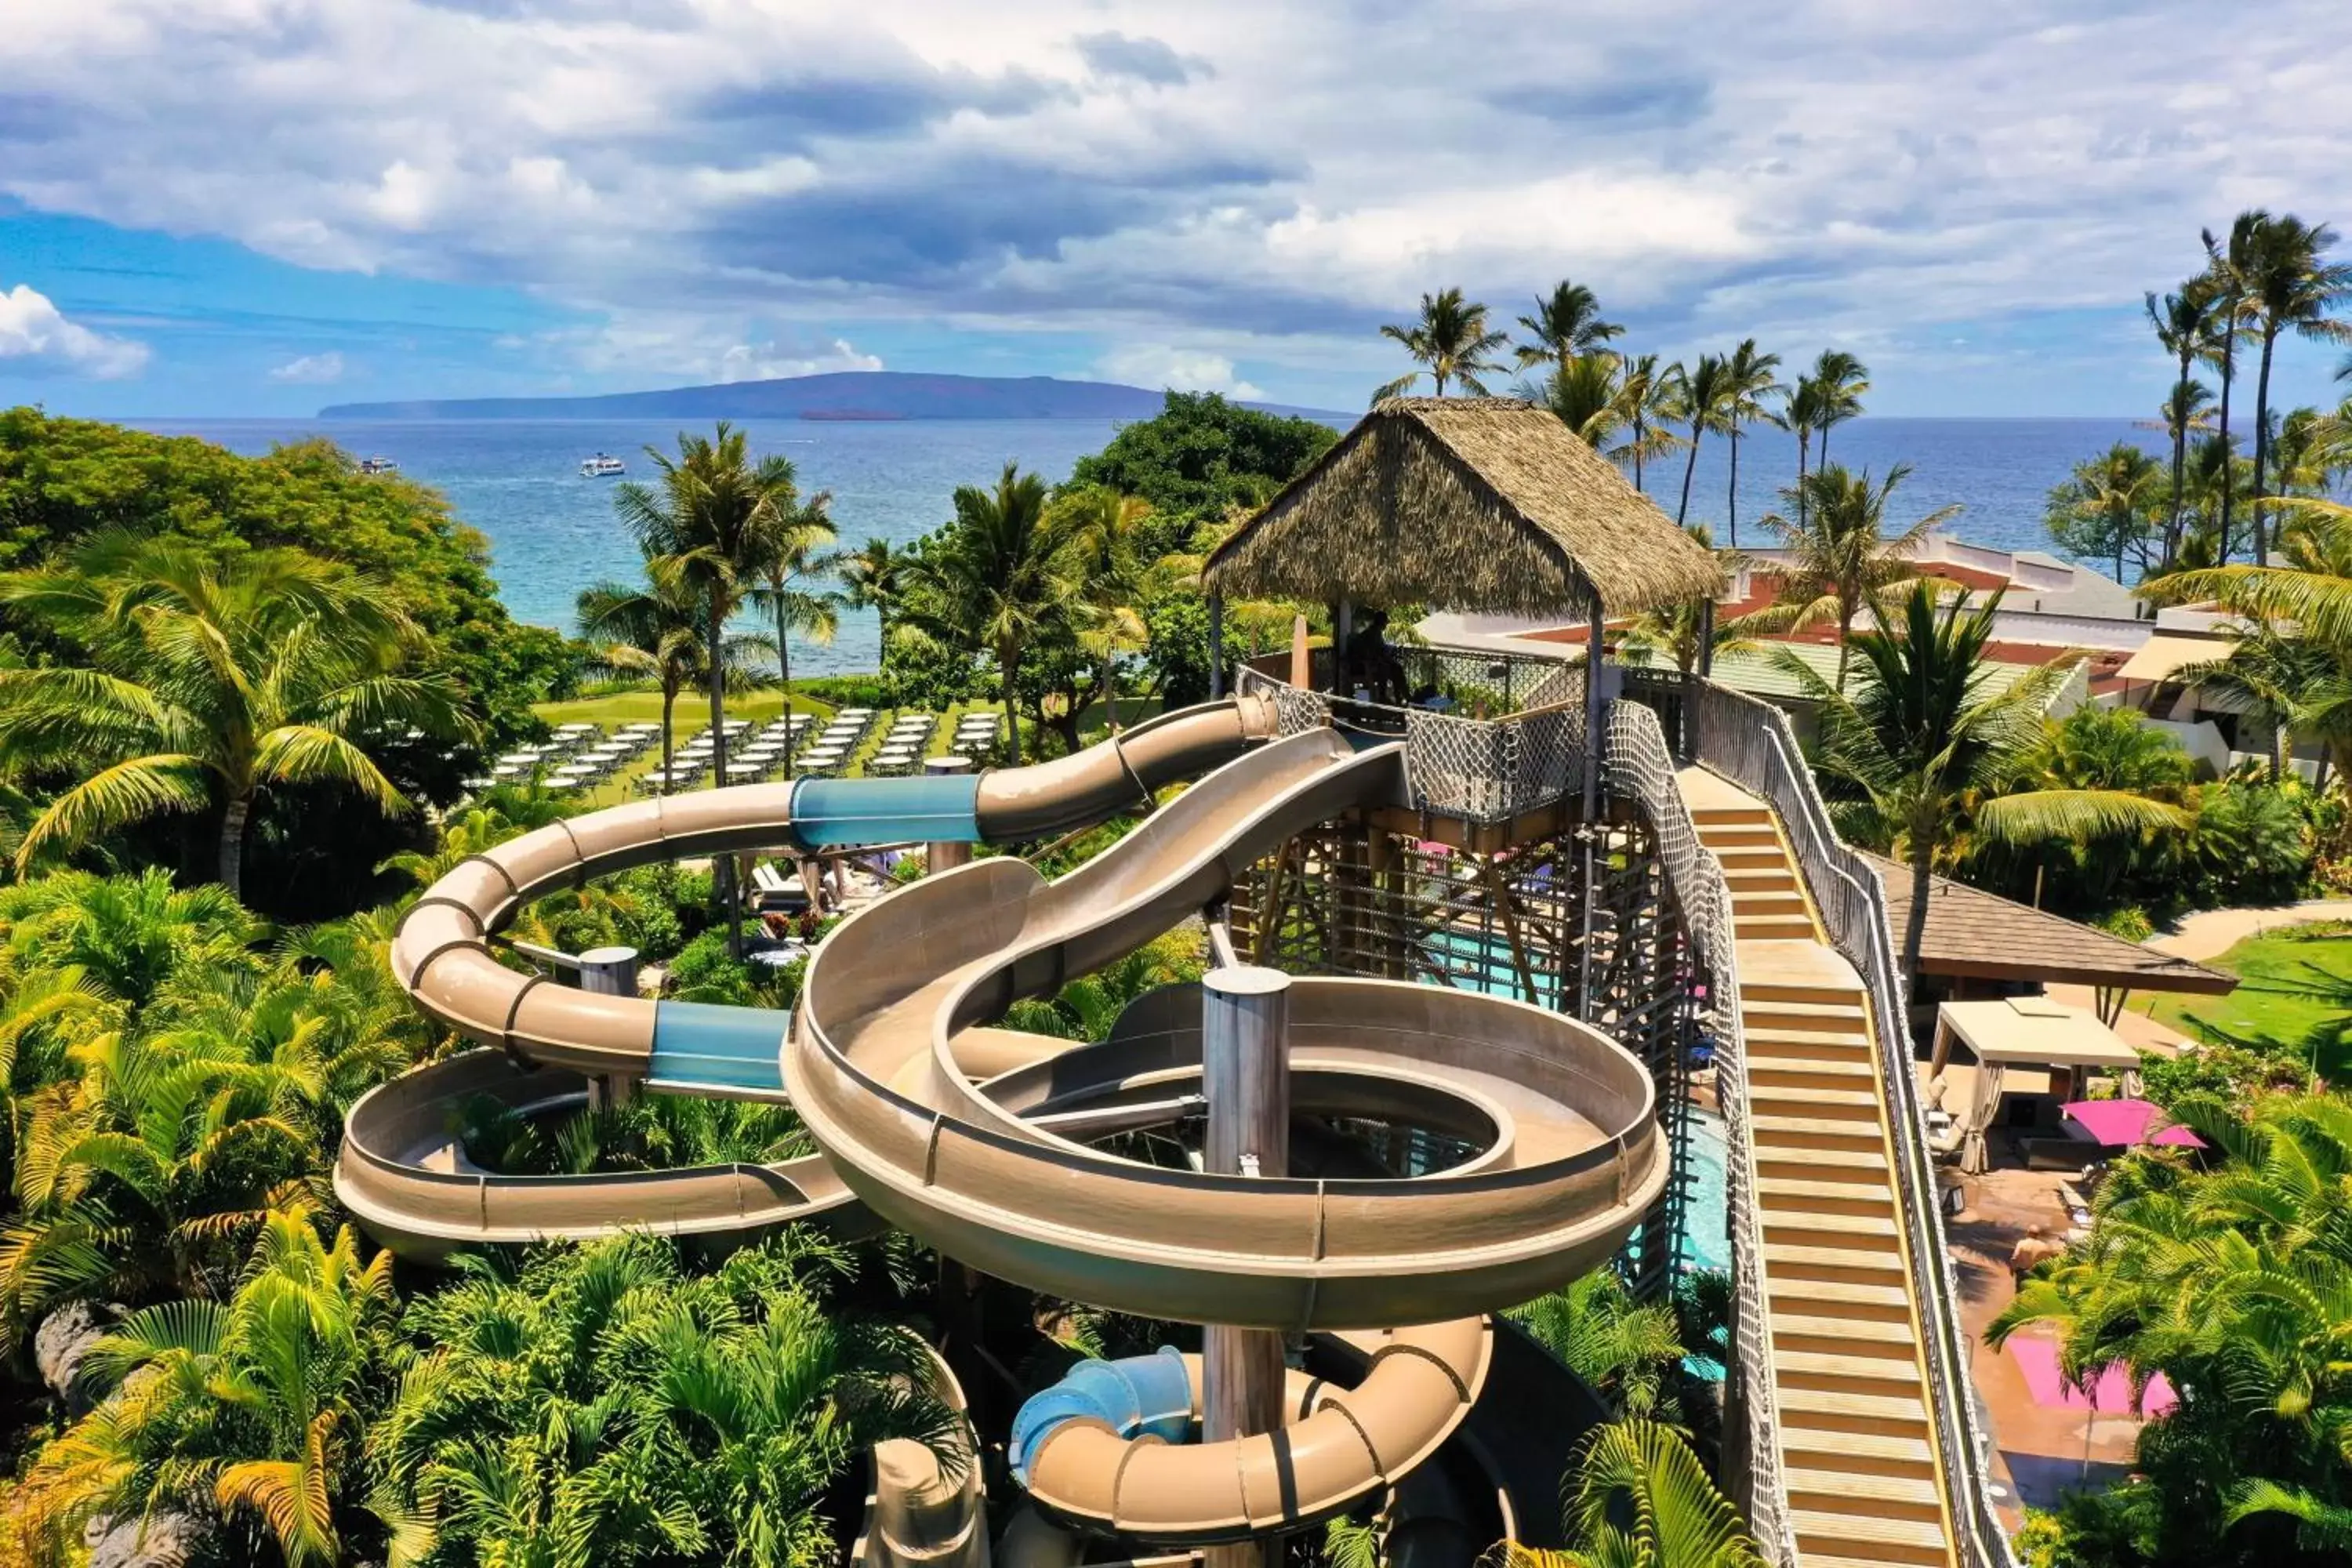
(226, 208)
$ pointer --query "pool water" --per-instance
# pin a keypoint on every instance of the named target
(1705, 1211)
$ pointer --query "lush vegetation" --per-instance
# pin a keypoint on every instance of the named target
(2231, 1281)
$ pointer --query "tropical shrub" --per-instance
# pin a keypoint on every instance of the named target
(2251, 844)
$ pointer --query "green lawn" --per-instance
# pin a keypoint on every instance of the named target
(2274, 968)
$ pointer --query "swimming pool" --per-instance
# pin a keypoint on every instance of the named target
(1705, 1208)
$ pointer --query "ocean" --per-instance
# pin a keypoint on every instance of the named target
(554, 533)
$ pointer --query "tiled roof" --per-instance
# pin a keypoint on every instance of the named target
(1983, 935)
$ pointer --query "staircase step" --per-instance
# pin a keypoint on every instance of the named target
(1795, 1013)
(1854, 1162)
(1882, 1377)
(1795, 1128)
(1808, 1262)
(1860, 1493)
(1827, 1448)
(1889, 1416)
(1785, 1061)
(1860, 1101)
(1865, 1334)
(1917, 1539)
(1842, 1298)
(1772, 927)
(1799, 1194)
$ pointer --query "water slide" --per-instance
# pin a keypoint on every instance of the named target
(971, 1138)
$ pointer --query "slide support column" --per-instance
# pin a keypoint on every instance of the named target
(946, 854)
(1245, 1075)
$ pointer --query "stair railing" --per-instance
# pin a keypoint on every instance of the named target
(1751, 743)
(1639, 768)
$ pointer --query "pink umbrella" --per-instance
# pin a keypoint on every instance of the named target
(2110, 1392)
(2123, 1123)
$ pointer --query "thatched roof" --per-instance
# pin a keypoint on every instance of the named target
(1464, 503)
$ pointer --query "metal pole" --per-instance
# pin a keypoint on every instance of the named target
(943, 855)
(1245, 1073)
(1595, 645)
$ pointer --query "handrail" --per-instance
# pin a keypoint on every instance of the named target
(1751, 742)
(1639, 767)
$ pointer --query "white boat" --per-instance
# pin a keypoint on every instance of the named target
(603, 465)
(378, 466)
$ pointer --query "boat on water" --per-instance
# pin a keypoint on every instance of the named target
(603, 465)
(378, 466)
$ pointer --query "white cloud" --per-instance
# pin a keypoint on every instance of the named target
(1273, 179)
(1160, 367)
(767, 362)
(36, 338)
(312, 370)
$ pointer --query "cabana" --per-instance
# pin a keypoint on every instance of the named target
(2022, 1044)
(1472, 504)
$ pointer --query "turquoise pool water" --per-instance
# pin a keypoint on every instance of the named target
(1704, 1211)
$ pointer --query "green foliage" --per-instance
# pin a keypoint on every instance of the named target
(1201, 456)
(2235, 1282)
(2130, 922)
(2112, 508)
(651, 1132)
(2251, 844)
(606, 1406)
(1629, 1354)
(64, 480)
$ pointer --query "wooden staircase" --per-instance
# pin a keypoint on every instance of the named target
(1858, 1448)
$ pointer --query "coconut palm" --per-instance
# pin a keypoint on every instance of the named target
(653, 630)
(1451, 340)
(252, 1407)
(1922, 739)
(1646, 395)
(1703, 403)
(130, 934)
(1807, 400)
(1586, 394)
(2106, 504)
(996, 578)
(1842, 379)
(1105, 558)
(871, 578)
(1840, 560)
(2312, 590)
(2228, 262)
(2184, 325)
(1566, 327)
(1750, 390)
(2288, 285)
(206, 685)
(1680, 631)
(790, 566)
(2186, 412)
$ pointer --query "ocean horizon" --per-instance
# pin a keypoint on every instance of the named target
(554, 533)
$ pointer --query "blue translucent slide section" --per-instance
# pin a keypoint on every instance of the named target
(697, 1044)
(828, 813)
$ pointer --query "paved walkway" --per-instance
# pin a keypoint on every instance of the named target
(2215, 931)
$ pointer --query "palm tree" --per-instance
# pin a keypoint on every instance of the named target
(1104, 560)
(995, 579)
(1749, 388)
(789, 562)
(1586, 394)
(1637, 1497)
(2227, 266)
(2184, 325)
(1703, 403)
(1840, 562)
(1922, 739)
(1451, 340)
(252, 1407)
(1566, 327)
(2104, 504)
(870, 579)
(2288, 285)
(653, 631)
(1626, 1352)
(703, 524)
(2185, 414)
(207, 685)
(2271, 679)
(1680, 631)
(1843, 380)
(1647, 396)
(1807, 400)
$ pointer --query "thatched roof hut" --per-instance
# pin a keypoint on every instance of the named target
(1476, 504)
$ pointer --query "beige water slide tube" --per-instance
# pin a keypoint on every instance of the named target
(961, 1134)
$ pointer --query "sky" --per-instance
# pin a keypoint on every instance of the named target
(253, 207)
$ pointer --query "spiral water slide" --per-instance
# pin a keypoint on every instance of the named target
(968, 1137)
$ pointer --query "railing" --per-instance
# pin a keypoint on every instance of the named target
(1751, 742)
(1639, 767)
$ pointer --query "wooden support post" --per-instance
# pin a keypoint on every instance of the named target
(1216, 645)
(1246, 1074)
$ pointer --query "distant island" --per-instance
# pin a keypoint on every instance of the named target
(880, 395)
